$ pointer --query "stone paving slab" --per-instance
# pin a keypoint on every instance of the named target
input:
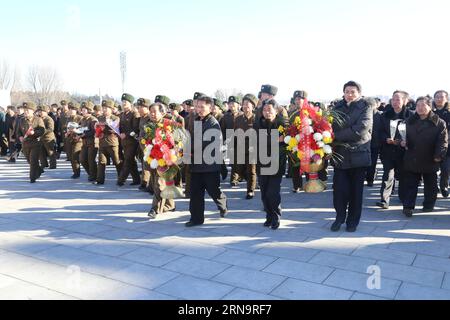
(65, 239)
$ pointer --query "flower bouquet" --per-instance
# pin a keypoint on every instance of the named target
(163, 152)
(308, 139)
(111, 125)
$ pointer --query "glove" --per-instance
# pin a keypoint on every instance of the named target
(224, 171)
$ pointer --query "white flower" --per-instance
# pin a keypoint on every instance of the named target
(147, 151)
(327, 149)
(320, 144)
(311, 130)
(287, 139)
(326, 134)
(295, 149)
(318, 136)
(297, 137)
(309, 122)
(154, 164)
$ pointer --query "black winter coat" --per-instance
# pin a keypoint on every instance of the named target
(353, 137)
(198, 146)
(376, 130)
(426, 140)
(388, 151)
(444, 114)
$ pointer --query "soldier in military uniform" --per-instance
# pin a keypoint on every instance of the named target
(73, 140)
(144, 112)
(216, 110)
(269, 92)
(245, 122)
(48, 139)
(129, 131)
(160, 205)
(108, 143)
(228, 122)
(89, 149)
(63, 128)
(29, 132)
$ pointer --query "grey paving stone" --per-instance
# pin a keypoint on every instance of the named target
(409, 291)
(359, 282)
(292, 252)
(446, 283)
(299, 270)
(189, 288)
(301, 290)
(433, 263)
(411, 274)
(151, 257)
(245, 259)
(101, 264)
(242, 294)
(143, 276)
(197, 250)
(200, 268)
(111, 248)
(89, 228)
(426, 248)
(339, 261)
(365, 297)
(64, 255)
(387, 255)
(250, 279)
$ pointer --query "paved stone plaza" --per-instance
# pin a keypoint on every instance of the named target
(65, 239)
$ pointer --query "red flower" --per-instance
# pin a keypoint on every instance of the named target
(156, 152)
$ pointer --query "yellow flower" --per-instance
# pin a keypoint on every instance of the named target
(328, 140)
(281, 129)
(149, 160)
(148, 130)
(330, 119)
(320, 153)
(292, 143)
(144, 142)
(174, 158)
(297, 121)
(161, 163)
(319, 113)
(306, 113)
(300, 155)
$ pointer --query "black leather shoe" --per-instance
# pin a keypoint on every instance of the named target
(152, 215)
(223, 213)
(336, 226)
(33, 181)
(275, 226)
(408, 212)
(250, 196)
(370, 184)
(91, 179)
(75, 176)
(268, 223)
(296, 190)
(350, 229)
(99, 183)
(444, 193)
(120, 184)
(427, 209)
(191, 224)
(382, 205)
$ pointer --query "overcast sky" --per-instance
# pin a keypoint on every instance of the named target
(177, 47)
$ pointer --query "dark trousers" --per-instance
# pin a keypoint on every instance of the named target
(32, 154)
(201, 182)
(372, 170)
(411, 186)
(392, 168)
(247, 171)
(445, 168)
(271, 197)
(129, 163)
(348, 187)
(87, 158)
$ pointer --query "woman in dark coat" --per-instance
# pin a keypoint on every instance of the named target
(352, 138)
(270, 173)
(426, 146)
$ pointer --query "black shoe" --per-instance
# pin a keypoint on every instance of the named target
(445, 193)
(427, 209)
(152, 214)
(75, 176)
(223, 213)
(268, 223)
(275, 225)
(234, 184)
(99, 183)
(120, 183)
(33, 181)
(151, 192)
(370, 184)
(191, 224)
(408, 212)
(250, 196)
(143, 188)
(382, 205)
(296, 190)
(91, 179)
(336, 226)
(12, 160)
(350, 229)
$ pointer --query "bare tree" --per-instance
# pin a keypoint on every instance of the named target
(7, 75)
(44, 82)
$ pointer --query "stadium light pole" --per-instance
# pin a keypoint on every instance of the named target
(123, 69)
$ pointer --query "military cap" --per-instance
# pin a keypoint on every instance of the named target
(176, 107)
(74, 106)
(300, 94)
(319, 105)
(127, 97)
(12, 108)
(269, 89)
(250, 97)
(97, 107)
(87, 105)
(29, 105)
(43, 108)
(108, 103)
(232, 99)
(142, 102)
(270, 101)
(198, 95)
(162, 99)
(63, 103)
(218, 103)
(189, 103)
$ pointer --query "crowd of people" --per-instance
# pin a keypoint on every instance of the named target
(410, 137)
